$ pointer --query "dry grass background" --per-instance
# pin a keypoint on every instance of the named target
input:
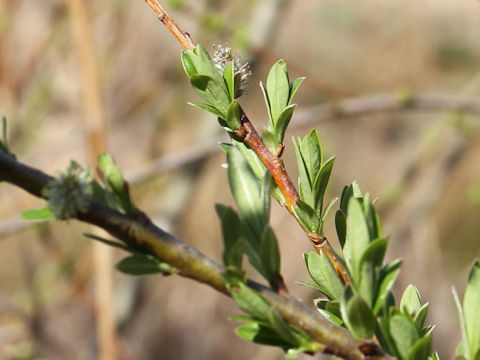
(424, 167)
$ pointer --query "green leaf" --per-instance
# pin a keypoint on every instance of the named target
(421, 349)
(370, 264)
(305, 189)
(233, 247)
(278, 89)
(270, 255)
(357, 238)
(312, 155)
(471, 308)
(347, 193)
(461, 315)
(321, 182)
(282, 122)
(206, 79)
(282, 328)
(403, 333)
(142, 264)
(44, 213)
(330, 309)
(188, 64)
(357, 315)
(112, 243)
(207, 107)
(270, 140)
(114, 182)
(246, 191)
(387, 278)
(328, 208)
(410, 302)
(211, 92)
(260, 334)
(421, 316)
(294, 87)
(250, 301)
(307, 216)
(267, 104)
(265, 198)
(254, 162)
(323, 273)
(341, 227)
(229, 76)
(233, 115)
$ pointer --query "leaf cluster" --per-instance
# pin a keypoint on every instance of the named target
(366, 305)
(278, 94)
(314, 174)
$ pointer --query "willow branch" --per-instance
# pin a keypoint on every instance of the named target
(139, 230)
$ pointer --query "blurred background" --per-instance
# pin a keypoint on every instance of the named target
(79, 76)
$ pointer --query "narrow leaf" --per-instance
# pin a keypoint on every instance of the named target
(267, 104)
(206, 107)
(278, 89)
(282, 328)
(233, 248)
(245, 190)
(471, 308)
(323, 273)
(260, 334)
(269, 254)
(410, 302)
(387, 278)
(403, 333)
(421, 349)
(233, 116)
(370, 264)
(294, 85)
(357, 238)
(229, 76)
(188, 64)
(250, 301)
(357, 315)
(44, 213)
(142, 264)
(321, 182)
(282, 122)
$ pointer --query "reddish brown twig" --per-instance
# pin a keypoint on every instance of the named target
(274, 164)
(182, 36)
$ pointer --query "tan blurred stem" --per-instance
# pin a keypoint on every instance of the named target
(7, 73)
(96, 131)
(139, 230)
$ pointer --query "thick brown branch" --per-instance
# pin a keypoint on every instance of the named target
(138, 229)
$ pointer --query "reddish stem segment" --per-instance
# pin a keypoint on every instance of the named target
(182, 36)
(274, 164)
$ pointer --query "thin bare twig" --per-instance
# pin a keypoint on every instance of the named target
(182, 36)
